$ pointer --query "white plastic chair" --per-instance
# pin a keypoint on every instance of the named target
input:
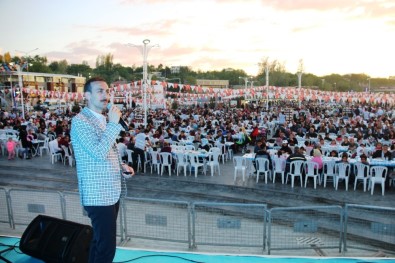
(378, 175)
(392, 180)
(155, 162)
(54, 155)
(196, 163)
(278, 168)
(165, 161)
(240, 166)
(343, 171)
(182, 162)
(213, 162)
(189, 147)
(262, 166)
(311, 169)
(329, 171)
(130, 156)
(45, 147)
(67, 156)
(295, 170)
(223, 153)
(147, 161)
(361, 172)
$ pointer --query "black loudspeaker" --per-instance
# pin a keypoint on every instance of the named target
(55, 240)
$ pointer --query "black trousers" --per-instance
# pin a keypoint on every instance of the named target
(136, 153)
(104, 223)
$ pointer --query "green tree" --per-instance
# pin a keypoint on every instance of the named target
(80, 69)
(59, 67)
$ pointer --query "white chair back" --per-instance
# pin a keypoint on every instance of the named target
(378, 175)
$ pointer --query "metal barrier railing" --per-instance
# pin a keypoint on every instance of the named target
(375, 224)
(229, 224)
(25, 205)
(156, 220)
(314, 227)
(199, 224)
(74, 211)
(4, 207)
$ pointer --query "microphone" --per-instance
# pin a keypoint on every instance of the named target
(121, 121)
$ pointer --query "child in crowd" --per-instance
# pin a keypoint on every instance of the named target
(11, 148)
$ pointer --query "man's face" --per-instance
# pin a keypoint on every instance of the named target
(97, 98)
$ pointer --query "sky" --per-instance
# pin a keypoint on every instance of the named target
(328, 36)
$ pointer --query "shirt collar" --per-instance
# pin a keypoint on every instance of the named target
(101, 118)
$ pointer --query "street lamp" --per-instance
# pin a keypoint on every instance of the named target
(267, 87)
(18, 68)
(369, 84)
(27, 57)
(300, 73)
(144, 49)
(245, 82)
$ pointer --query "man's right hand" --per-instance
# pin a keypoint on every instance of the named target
(114, 114)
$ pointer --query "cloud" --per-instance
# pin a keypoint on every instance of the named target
(76, 52)
(133, 2)
(291, 5)
(372, 9)
(158, 28)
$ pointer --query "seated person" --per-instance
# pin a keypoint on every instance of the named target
(262, 152)
(204, 145)
(361, 149)
(297, 155)
(285, 148)
(345, 141)
(318, 159)
(327, 138)
(311, 133)
(121, 145)
(352, 146)
(166, 147)
(364, 159)
(292, 139)
(384, 153)
(344, 158)
(333, 153)
(55, 146)
(182, 136)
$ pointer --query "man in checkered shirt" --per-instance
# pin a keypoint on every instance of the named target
(99, 168)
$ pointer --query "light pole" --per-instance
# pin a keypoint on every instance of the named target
(335, 85)
(369, 84)
(245, 82)
(145, 48)
(267, 87)
(27, 57)
(300, 73)
(323, 83)
(18, 68)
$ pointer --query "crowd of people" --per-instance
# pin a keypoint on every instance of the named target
(364, 129)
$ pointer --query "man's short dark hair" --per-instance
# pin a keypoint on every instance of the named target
(88, 86)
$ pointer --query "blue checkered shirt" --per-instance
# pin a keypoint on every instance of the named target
(97, 159)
